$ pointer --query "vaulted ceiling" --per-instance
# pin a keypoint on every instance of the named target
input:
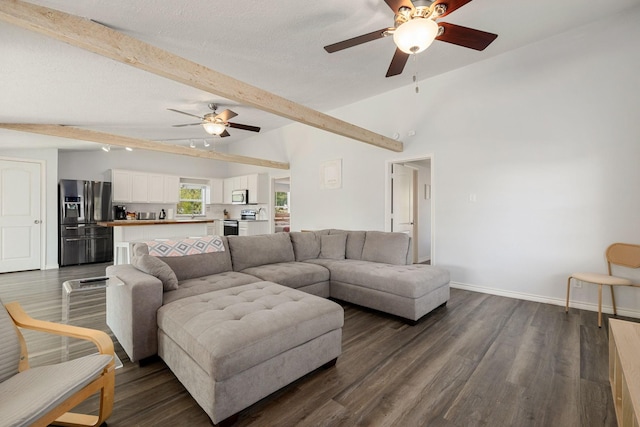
(275, 46)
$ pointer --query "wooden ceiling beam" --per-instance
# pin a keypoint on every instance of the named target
(104, 41)
(72, 132)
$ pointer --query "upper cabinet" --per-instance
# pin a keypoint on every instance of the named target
(142, 187)
(258, 186)
(215, 195)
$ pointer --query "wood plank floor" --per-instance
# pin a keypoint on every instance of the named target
(482, 360)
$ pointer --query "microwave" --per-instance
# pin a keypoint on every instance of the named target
(240, 197)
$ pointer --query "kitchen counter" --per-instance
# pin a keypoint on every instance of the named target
(131, 222)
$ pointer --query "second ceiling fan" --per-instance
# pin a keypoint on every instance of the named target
(415, 28)
(214, 123)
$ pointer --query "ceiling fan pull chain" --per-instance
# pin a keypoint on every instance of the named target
(415, 73)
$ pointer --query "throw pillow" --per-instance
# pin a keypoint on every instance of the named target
(157, 268)
(333, 246)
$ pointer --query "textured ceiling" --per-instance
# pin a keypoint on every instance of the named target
(276, 46)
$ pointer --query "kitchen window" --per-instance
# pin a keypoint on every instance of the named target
(192, 199)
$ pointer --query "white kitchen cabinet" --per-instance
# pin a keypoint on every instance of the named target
(252, 228)
(171, 189)
(258, 185)
(139, 187)
(143, 187)
(227, 189)
(240, 182)
(120, 185)
(155, 188)
(216, 191)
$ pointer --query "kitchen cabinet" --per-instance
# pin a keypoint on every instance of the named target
(216, 191)
(143, 187)
(120, 185)
(227, 189)
(258, 185)
(252, 228)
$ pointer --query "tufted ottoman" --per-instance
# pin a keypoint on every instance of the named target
(232, 347)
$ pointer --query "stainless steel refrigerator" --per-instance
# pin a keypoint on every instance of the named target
(81, 205)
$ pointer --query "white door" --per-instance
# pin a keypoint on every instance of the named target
(20, 220)
(403, 205)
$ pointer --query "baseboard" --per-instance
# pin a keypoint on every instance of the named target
(547, 300)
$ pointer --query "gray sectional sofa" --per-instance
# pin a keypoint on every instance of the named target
(226, 322)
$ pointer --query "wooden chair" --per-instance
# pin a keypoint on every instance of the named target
(43, 395)
(623, 254)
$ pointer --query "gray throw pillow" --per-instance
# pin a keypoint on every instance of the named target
(157, 268)
(333, 246)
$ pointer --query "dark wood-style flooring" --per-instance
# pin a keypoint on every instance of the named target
(482, 360)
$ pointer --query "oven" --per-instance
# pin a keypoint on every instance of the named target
(230, 227)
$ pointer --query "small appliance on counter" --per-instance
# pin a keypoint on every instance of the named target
(146, 216)
(119, 212)
(163, 214)
(248, 214)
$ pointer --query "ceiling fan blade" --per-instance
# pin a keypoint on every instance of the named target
(465, 37)
(244, 127)
(397, 63)
(186, 124)
(395, 5)
(451, 5)
(226, 115)
(224, 134)
(374, 35)
(186, 114)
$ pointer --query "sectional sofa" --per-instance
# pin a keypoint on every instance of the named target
(236, 324)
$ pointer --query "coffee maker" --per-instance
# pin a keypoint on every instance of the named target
(119, 212)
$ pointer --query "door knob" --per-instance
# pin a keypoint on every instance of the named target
(37, 221)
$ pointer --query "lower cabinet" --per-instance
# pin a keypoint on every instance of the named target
(252, 228)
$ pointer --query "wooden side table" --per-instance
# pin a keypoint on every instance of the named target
(624, 370)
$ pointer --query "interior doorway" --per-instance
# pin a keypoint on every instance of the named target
(21, 226)
(281, 204)
(410, 207)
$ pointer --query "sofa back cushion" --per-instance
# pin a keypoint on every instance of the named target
(355, 242)
(199, 265)
(385, 247)
(306, 244)
(252, 251)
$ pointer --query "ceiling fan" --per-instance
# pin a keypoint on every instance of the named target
(216, 124)
(415, 28)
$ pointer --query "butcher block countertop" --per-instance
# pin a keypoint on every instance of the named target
(130, 222)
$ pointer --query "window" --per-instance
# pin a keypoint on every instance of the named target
(282, 201)
(192, 199)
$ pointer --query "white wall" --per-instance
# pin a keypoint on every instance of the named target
(546, 137)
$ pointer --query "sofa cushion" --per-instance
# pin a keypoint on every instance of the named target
(198, 265)
(385, 247)
(306, 244)
(157, 268)
(252, 251)
(333, 246)
(228, 331)
(410, 281)
(205, 284)
(291, 274)
(355, 242)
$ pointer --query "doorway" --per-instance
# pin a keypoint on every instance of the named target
(409, 204)
(20, 215)
(281, 204)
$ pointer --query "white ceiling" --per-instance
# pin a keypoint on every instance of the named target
(276, 46)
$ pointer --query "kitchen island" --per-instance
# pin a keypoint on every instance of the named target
(126, 232)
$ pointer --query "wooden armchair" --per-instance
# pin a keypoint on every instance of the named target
(43, 395)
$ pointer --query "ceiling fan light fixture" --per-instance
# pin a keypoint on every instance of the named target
(415, 35)
(214, 128)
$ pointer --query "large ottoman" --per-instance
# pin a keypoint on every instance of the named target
(232, 347)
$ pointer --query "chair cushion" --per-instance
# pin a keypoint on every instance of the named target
(601, 279)
(27, 396)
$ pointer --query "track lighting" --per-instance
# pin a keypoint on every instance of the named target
(192, 144)
(106, 148)
(128, 148)
(206, 144)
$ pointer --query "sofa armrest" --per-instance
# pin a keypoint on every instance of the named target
(131, 310)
